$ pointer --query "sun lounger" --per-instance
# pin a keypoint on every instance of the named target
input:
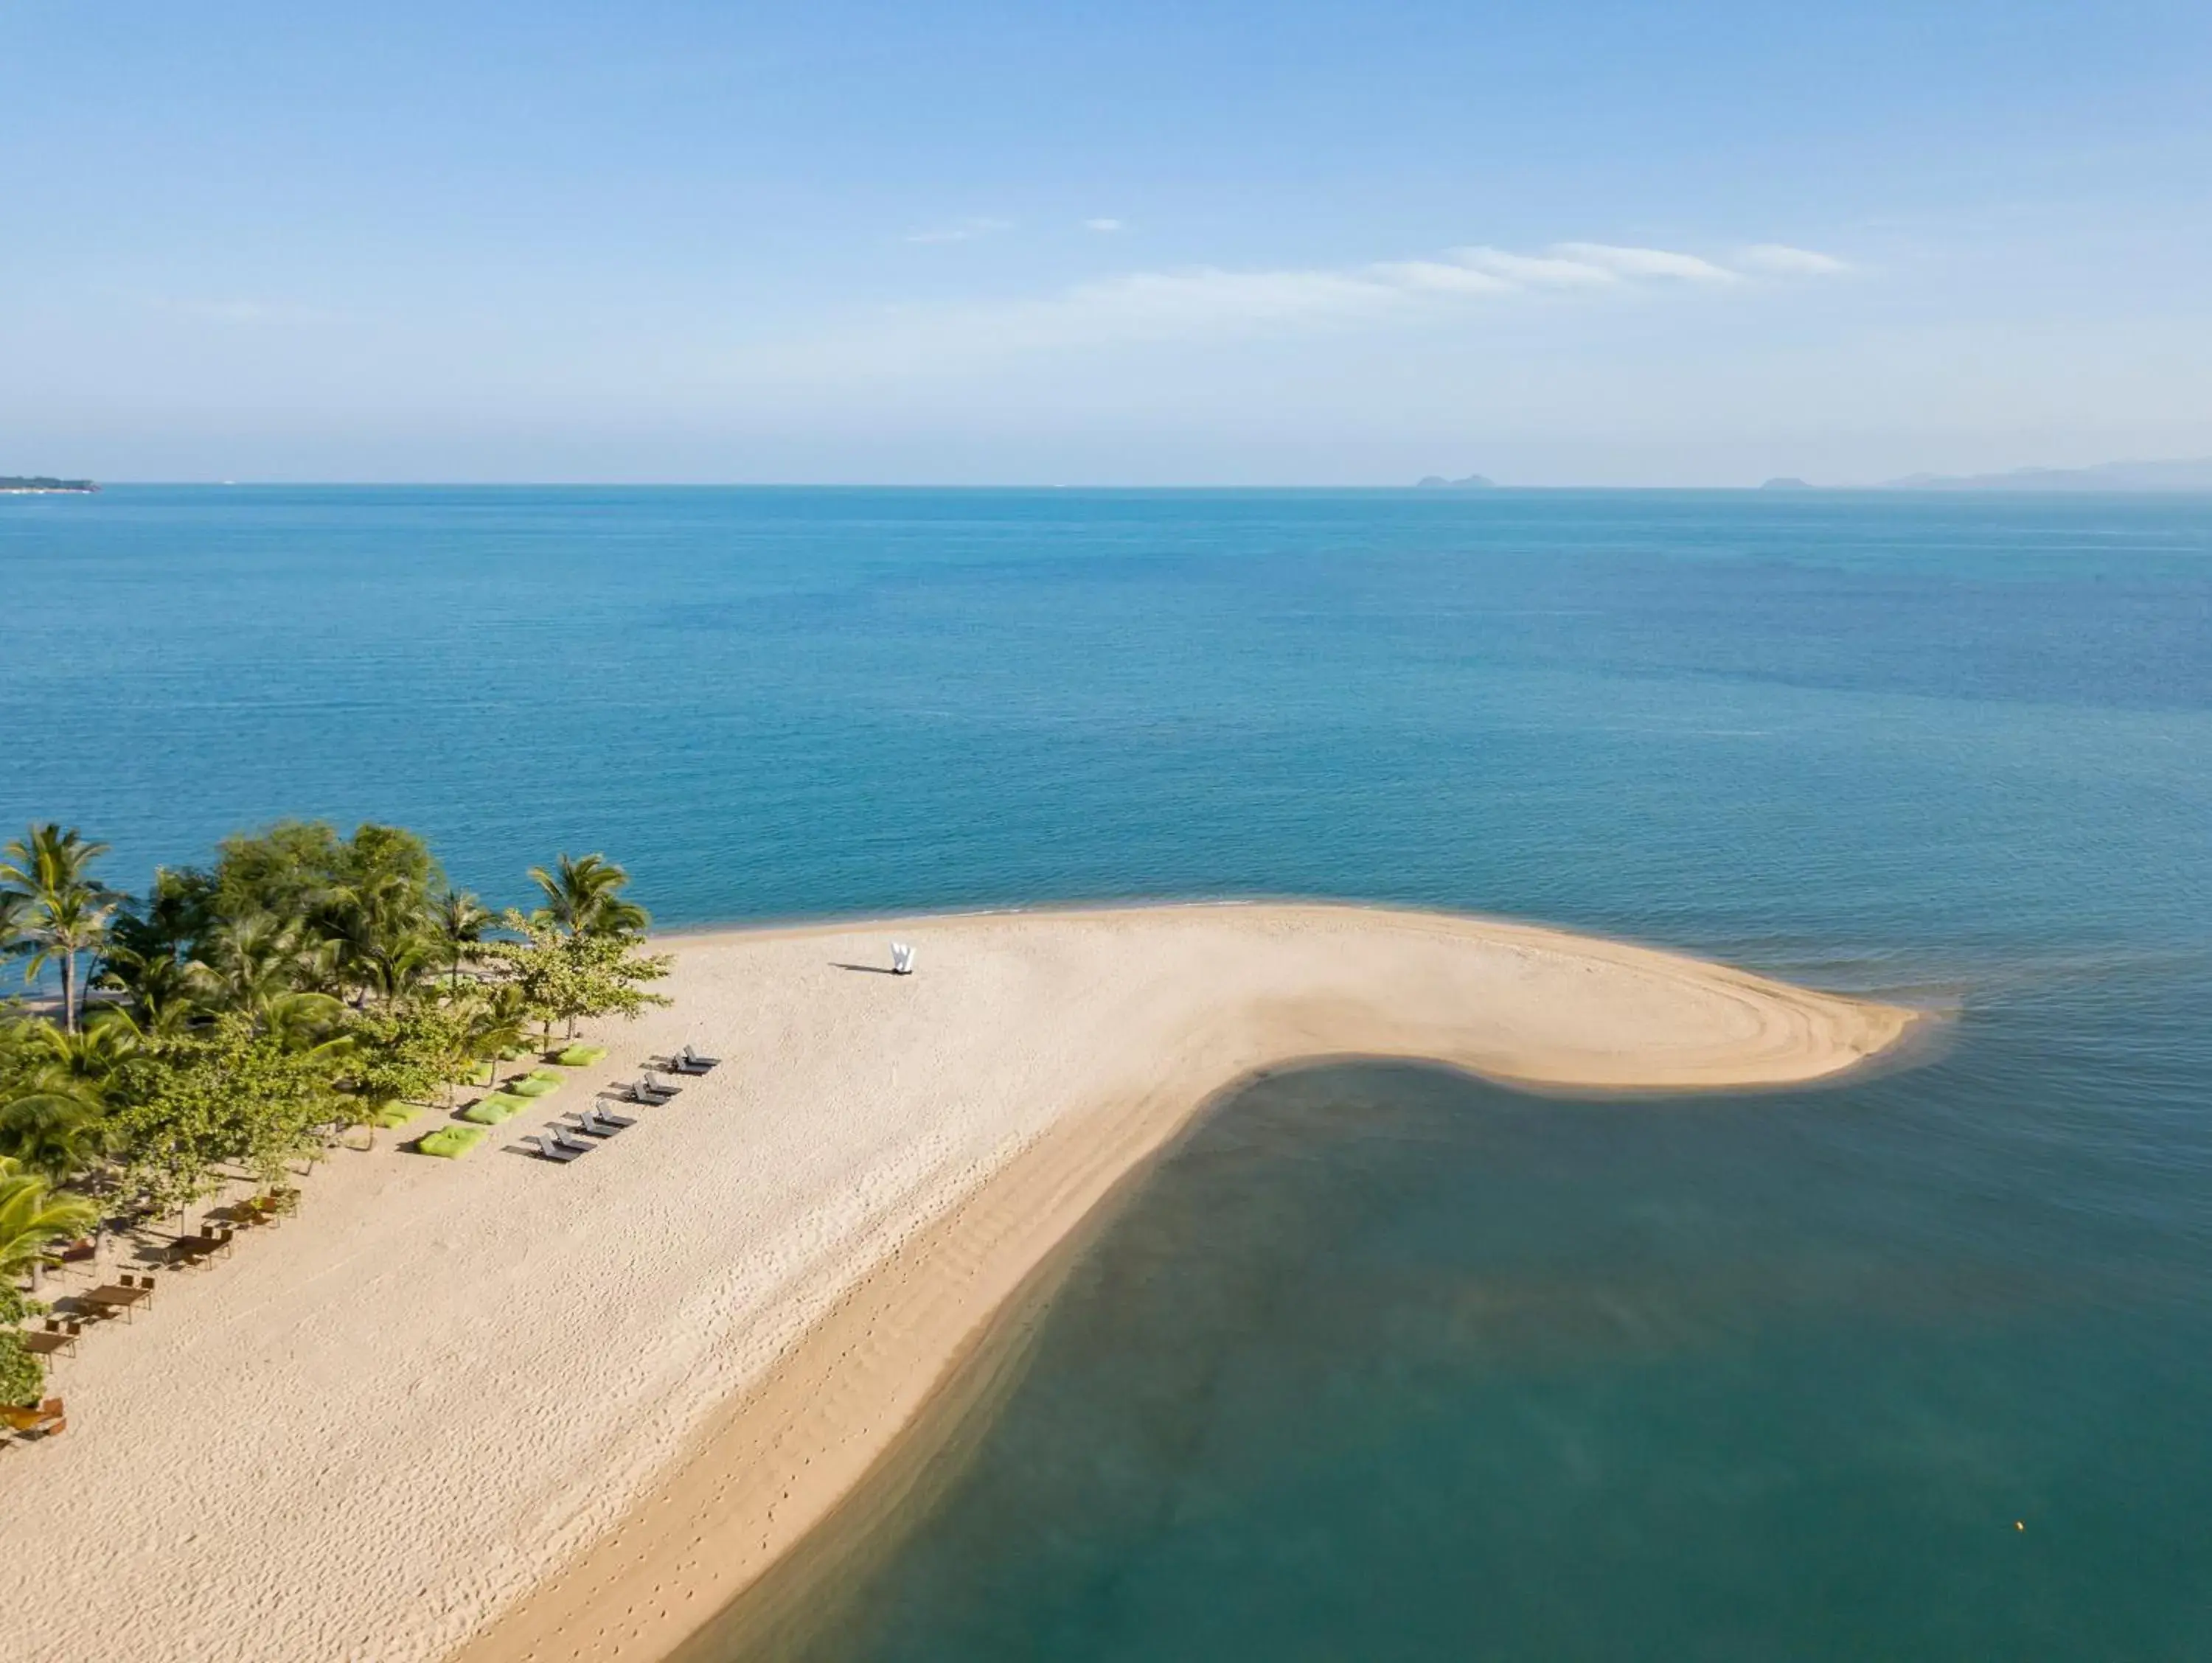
(549, 1149)
(651, 1084)
(590, 1127)
(617, 1121)
(559, 1134)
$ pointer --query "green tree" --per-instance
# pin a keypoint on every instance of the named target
(234, 1093)
(497, 1021)
(460, 920)
(34, 1217)
(284, 871)
(564, 977)
(256, 962)
(378, 912)
(404, 1053)
(22, 1377)
(64, 911)
(584, 898)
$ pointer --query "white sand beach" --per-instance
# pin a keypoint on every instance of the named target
(513, 1410)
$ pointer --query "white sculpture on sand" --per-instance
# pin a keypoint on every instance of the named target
(902, 959)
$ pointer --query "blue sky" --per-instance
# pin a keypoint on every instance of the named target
(1135, 243)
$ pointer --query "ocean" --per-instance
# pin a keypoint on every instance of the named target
(1380, 1362)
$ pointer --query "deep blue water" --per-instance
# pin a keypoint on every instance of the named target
(1956, 748)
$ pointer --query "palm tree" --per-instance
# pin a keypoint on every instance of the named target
(253, 960)
(461, 920)
(582, 897)
(55, 1132)
(34, 1217)
(497, 1025)
(62, 912)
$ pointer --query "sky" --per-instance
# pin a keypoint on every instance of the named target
(1135, 243)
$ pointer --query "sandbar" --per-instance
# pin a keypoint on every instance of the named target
(500, 1410)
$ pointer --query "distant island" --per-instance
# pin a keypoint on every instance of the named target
(1785, 482)
(1471, 482)
(2181, 475)
(28, 485)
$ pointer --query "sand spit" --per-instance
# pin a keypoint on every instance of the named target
(520, 1410)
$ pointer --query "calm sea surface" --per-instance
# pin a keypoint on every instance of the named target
(1383, 1363)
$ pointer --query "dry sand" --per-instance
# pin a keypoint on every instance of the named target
(381, 1430)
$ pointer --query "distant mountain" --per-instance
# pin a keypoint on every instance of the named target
(2187, 476)
(1472, 482)
(1785, 482)
(20, 482)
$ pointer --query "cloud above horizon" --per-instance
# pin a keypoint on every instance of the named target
(1784, 261)
(1209, 303)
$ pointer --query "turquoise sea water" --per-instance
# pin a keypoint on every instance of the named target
(1383, 1363)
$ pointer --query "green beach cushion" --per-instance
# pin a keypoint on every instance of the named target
(450, 1143)
(581, 1056)
(491, 1110)
(532, 1085)
(395, 1115)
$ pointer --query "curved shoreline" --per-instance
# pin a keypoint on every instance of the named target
(836, 1440)
(499, 1410)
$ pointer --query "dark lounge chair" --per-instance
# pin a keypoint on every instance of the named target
(548, 1149)
(562, 1140)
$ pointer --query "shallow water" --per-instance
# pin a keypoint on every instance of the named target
(1389, 1363)
(1752, 1374)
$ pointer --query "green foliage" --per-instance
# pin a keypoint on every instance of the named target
(565, 977)
(304, 981)
(22, 1377)
(58, 911)
(584, 898)
(231, 1093)
(34, 1217)
(404, 1051)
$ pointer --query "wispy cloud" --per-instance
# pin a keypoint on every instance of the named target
(965, 230)
(1212, 300)
(1104, 225)
(1784, 261)
(1657, 263)
(1208, 303)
